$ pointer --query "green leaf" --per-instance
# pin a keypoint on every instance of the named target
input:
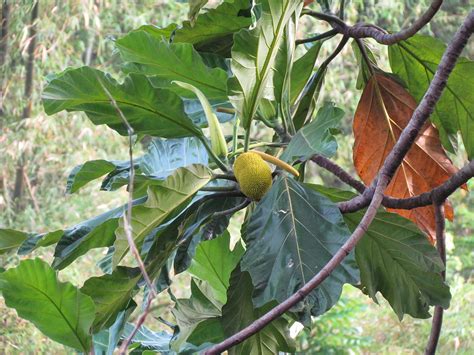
(162, 200)
(189, 313)
(397, 260)
(303, 67)
(282, 74)
(91, 170)
(11, 239)
(157, 112)
(291, 235)
(415, 61)
(214, 262)
(97, 232)
(58, 309)
(213, 30)
(36, 240)
(111, 294)
(239, 312)
(253, 57)
(315, 137)
(306, 103)
(166, 62)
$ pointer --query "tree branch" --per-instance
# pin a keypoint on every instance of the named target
(439, 193)
(319, 37)
(380, 35)
(233, 209)
(437, 321)
(393, 160)
(339, 172)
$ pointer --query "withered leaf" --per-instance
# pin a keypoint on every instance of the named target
(383, 112)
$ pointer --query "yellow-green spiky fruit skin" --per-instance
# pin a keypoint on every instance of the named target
(253, 175)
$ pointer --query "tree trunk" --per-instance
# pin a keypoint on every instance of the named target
(4, 44)
(18, 191)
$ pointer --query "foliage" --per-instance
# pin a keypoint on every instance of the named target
(241, 61)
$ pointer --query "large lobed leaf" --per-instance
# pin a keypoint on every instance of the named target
(162, 200)
(397, 260)
(58, 309)
(416, 60)
(291, 235)
(166, 62)
(253, 56)
(157, 112)
(91, 170)
(383, 112)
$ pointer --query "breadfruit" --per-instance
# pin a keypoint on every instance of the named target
(253, 175)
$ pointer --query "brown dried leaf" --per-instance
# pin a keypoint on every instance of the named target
(383, 112)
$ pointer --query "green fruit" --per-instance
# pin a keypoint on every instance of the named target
(253, 175)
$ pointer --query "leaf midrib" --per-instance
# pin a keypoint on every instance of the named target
(159, 113)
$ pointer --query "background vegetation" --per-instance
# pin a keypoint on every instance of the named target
(75, 33)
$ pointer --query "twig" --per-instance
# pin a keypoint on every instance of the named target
(393, 160)
(233, 209)
(128, 216)
(312, 85)
(219, 188)
(230, 177)
(319, 37)
(230, 111)
(437, 321)
(128, 224)
(140, 321)
(338, 172)
(224, 194)
(364, 31)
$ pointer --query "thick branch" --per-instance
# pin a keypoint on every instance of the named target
(380, 35)
(437, 321)
(394, 159)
